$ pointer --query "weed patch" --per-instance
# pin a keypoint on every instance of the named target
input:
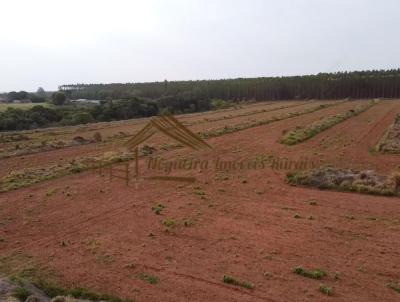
(314, 274)
(326, 290)
(394, 287)
(232, 280)
(158, 208)
(170, 223)
(148, 278)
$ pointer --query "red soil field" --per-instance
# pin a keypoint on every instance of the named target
(94, 232)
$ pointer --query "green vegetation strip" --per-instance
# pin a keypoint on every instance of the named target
(27, 177)
(24, 272)
(53, 291)
(23, 106)
(301, 134)
(243, 126)
(24, 145)
(207, 120)
(390, 141)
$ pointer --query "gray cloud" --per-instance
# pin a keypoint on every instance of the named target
(59, 42)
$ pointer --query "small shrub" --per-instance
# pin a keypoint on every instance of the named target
(170, 223)
(326, 290)
(158, 208)
(148, 278)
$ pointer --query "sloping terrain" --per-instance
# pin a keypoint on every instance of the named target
(172, 241)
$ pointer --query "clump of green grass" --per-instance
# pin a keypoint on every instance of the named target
(21, 293)
(326, 290)
(394, 287)
(199, 192)
(51, 192)
(148, 278)
(158, 208)
(232, 280)
(314, 274)
(169, 222)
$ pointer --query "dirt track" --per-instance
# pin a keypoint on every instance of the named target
(101, 234)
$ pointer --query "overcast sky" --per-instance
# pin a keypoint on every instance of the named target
(51, 42)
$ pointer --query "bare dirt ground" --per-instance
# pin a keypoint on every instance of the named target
(99, 233)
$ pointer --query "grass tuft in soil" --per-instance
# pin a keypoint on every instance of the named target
(314, 274)
(148, 278)
(158, 208)
(232, 280)
(395, 287)
(169, 222)
(326, 290)
(21, 293)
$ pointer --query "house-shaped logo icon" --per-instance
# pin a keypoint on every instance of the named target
(171, 127)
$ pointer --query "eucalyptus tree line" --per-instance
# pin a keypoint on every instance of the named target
(357, 84)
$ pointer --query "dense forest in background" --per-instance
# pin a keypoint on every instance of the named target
(357, 84)
(132, 100)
